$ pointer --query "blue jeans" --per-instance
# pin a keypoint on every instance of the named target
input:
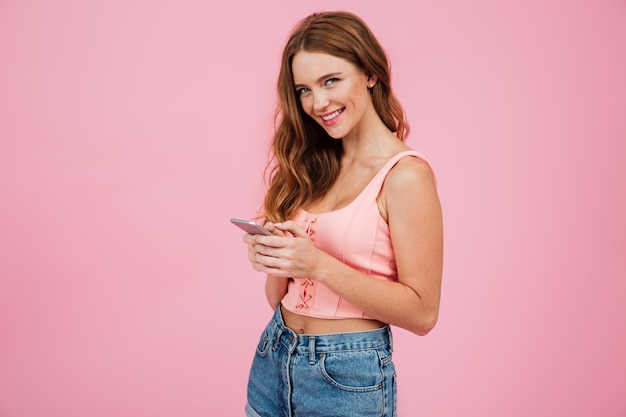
(329, 375)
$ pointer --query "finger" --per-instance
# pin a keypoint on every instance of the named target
(266, 250)
(270, 241)
(251, 253)
(270, 265)
(291, 227)
(272, 228)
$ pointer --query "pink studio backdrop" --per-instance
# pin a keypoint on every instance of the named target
(130, 131)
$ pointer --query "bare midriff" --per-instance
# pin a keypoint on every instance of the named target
(313, 325)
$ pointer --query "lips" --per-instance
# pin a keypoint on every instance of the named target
(330, 117)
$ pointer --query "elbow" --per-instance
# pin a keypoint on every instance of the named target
(424, 324)
(273, 300)
(273, 304)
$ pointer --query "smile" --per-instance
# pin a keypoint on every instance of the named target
(331, 116)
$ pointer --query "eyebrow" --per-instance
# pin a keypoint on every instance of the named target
(320, 79)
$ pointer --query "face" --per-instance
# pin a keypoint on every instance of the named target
(333, 92)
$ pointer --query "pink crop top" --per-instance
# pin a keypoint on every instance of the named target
(356, 235)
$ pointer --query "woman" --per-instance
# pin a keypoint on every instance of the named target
(358, 241)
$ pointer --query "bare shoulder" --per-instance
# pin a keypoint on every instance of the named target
(409, 172)
(408, 185)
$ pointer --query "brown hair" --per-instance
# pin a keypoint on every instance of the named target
(305, 160)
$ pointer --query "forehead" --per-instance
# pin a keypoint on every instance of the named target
(309, 66)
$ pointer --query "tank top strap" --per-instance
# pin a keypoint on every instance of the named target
(377, 182)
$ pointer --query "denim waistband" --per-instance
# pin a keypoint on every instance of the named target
(323, 343)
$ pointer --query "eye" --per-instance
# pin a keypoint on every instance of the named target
(302, 91)
(331, 81)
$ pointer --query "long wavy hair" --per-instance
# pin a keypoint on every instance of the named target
(304, 159)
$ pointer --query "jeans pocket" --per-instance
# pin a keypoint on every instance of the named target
(359, 371)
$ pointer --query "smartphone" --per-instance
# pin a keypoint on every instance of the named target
(251, 227)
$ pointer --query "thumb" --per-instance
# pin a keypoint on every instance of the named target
(292, 227)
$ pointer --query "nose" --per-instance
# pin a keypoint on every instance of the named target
(320, 101)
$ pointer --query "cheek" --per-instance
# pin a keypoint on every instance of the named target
(307, 105)
(361, 100)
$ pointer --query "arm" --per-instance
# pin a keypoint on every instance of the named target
(275, 290)
(410, 204)
(415, 223)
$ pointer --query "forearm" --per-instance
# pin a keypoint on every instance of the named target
(391, 302)
(275, 289)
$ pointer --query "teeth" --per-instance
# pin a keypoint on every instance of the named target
(332, 115)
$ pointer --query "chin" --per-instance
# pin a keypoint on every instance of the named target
(335, 134)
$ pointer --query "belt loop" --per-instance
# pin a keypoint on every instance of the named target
(390, 339)
(311, 350)
(277, 337)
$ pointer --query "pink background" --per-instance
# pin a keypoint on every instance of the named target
(130, 131)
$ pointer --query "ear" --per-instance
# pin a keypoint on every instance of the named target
(371, 81)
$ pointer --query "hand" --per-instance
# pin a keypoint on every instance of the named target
(251, 242)
(289, 254)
